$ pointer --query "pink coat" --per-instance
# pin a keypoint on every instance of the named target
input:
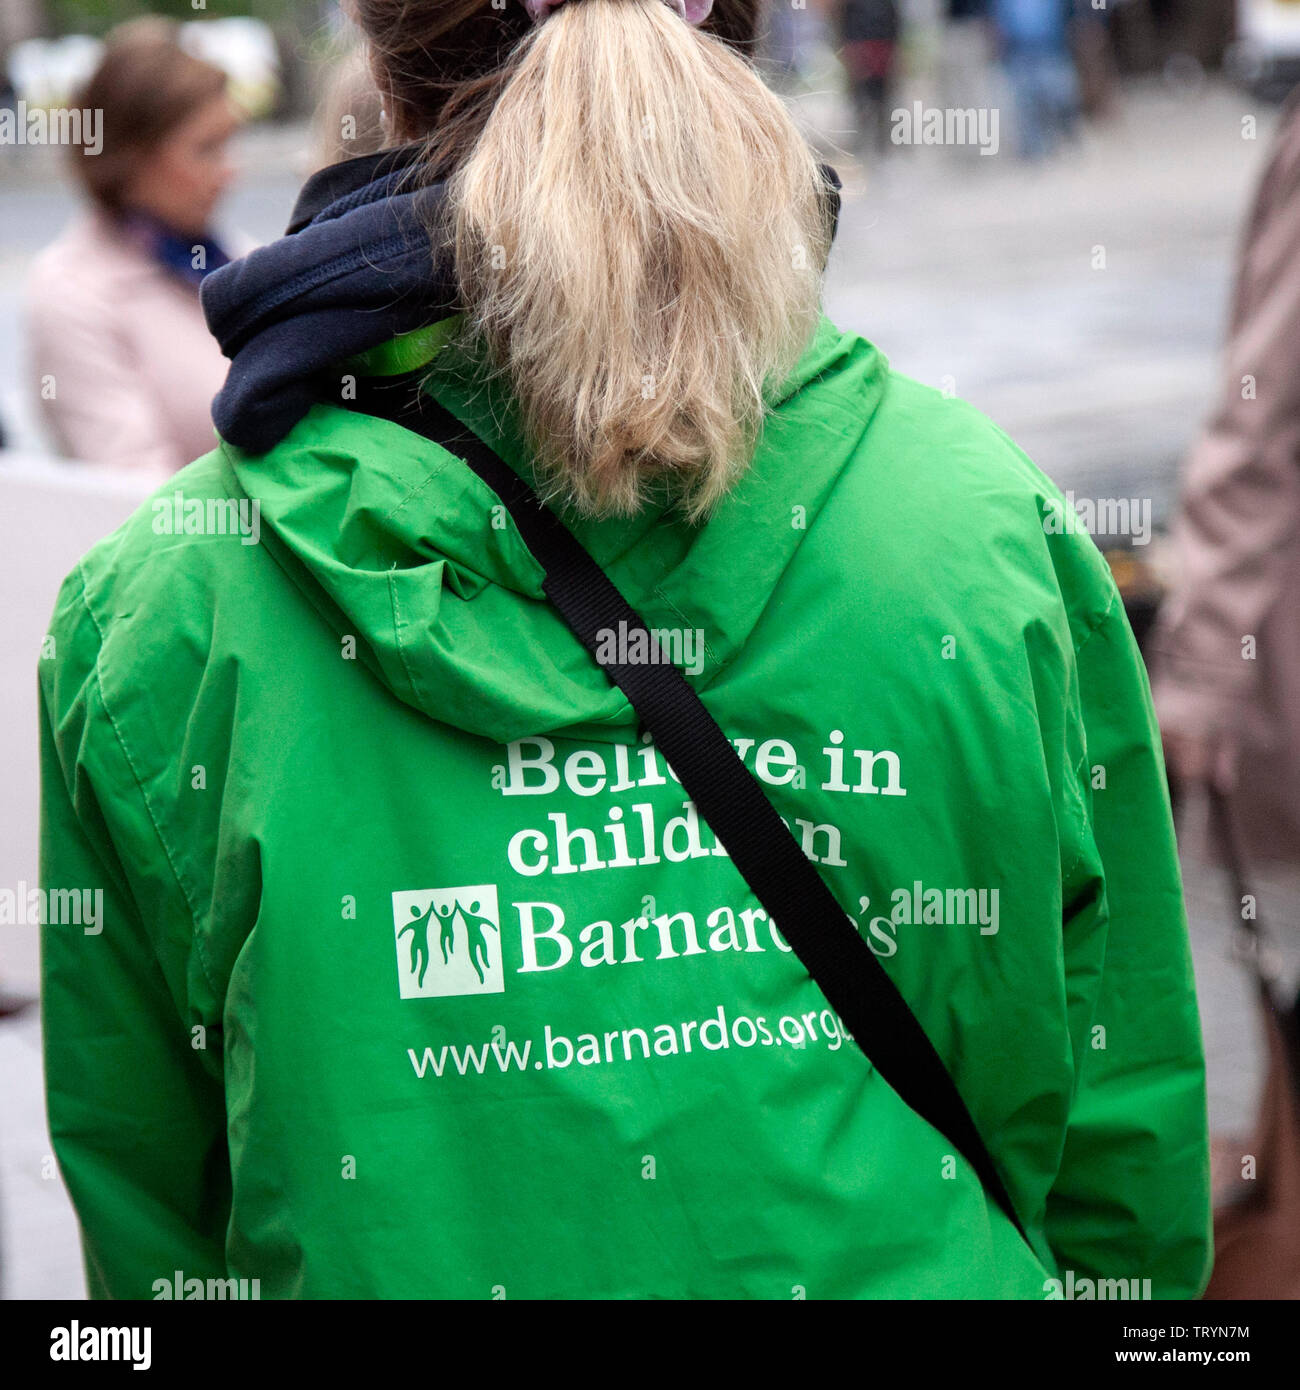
(120, 355)
(1227, 647)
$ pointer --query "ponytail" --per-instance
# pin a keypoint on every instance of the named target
(639, 234)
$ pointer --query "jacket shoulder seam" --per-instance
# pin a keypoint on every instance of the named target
(195, 935)
(397, 632)
(1094, 627)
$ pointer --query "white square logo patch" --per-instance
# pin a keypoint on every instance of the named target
(448, 942)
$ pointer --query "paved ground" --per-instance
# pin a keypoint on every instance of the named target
(980, 273)
(961, 267)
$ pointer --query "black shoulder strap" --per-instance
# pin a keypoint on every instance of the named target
(724, 791)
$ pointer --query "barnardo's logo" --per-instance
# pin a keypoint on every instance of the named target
(448, 942)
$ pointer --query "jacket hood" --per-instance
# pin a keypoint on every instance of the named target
(418, 569)
(353, 270)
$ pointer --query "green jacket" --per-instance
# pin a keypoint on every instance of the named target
(417, 976)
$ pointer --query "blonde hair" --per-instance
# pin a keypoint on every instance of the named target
(639, 233)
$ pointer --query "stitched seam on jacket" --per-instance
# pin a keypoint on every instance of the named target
(195, 937)
(401, 645)
(1083, 757)
(418, 488)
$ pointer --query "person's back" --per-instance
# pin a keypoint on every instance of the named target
(442, 986)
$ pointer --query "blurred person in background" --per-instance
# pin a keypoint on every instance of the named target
(867, 31)
(1033, 39)
(123, 364)
(1226, 650)
(790, 34)
(1094, 58)
(965, 50)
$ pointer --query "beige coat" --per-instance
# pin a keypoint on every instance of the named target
(1227, 647)
(119, 353)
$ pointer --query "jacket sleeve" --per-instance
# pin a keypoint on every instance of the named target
(134, 1101)
(1131, 1198)
(1240, 499)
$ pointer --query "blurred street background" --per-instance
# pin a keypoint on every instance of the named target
(1077, 294)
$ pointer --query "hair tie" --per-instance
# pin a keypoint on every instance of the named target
(694, 12)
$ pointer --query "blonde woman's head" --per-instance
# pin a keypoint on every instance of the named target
(639, 230)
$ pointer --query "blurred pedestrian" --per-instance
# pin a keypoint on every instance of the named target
(867, 32)
(1033, 41)
(123, 364)
(1094, 59)
(965, 50)
(1226, 682)
(1227, 646)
